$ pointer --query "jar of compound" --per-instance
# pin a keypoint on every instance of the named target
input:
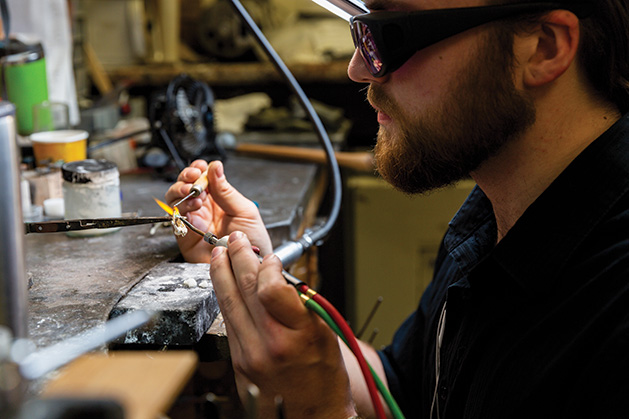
(91, 189)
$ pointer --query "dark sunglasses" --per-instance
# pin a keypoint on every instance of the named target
(386, 40)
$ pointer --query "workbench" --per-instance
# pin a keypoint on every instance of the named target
(74, 283)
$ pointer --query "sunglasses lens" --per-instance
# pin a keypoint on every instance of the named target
(364, 41)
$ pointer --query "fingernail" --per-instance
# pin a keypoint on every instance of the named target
(219, 168)
(217, 251)
(271, 256)
(236, 235)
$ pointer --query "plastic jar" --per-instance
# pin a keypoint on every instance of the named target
(91, 189)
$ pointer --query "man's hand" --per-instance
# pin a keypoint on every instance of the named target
(275, 342)
(220, 209)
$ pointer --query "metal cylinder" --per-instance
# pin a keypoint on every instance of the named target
(13, 284)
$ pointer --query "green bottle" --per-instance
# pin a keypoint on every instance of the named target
(23, 80)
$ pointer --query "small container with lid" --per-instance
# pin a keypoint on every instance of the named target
(91, 189)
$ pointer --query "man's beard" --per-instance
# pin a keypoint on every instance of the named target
(482, 112)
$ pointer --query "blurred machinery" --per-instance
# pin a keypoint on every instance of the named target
(182, 124)
(222, 35)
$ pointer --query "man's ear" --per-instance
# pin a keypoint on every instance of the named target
(556, 47)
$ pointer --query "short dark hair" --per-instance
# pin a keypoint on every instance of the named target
(603, 50)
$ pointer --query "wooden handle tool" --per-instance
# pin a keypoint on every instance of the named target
(198, 186)
(362, 161)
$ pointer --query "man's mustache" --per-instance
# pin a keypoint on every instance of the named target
(380, 100)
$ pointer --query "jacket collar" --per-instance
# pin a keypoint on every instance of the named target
(541, 242)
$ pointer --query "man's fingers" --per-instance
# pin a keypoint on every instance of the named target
(245, 265)
(224, 194)
(184, 180)
(279, 298)
(192, 172)
(235, 347)
(263, 287)
(181, 188)
(228, 294)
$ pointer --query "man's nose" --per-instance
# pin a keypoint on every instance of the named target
(357, 70)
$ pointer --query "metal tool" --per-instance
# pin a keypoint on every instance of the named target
(90, 223)
(216, 241)
(198, 186)
(213, 239)
(37, 364)
(369, 317)
(13, 280)
(209, 237)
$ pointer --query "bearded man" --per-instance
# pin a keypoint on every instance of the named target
(527, 314)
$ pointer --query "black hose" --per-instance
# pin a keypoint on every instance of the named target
(320, 234)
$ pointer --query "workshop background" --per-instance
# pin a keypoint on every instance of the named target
(120, 69)
(126, 52)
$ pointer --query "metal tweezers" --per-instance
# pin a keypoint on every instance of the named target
(87, 224)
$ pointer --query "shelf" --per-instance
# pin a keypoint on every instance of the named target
(230, 74)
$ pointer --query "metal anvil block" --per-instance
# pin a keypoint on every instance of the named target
(184, 310)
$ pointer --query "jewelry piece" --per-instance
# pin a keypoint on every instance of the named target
(179, 227)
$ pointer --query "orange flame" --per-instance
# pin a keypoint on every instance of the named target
(165, 207)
